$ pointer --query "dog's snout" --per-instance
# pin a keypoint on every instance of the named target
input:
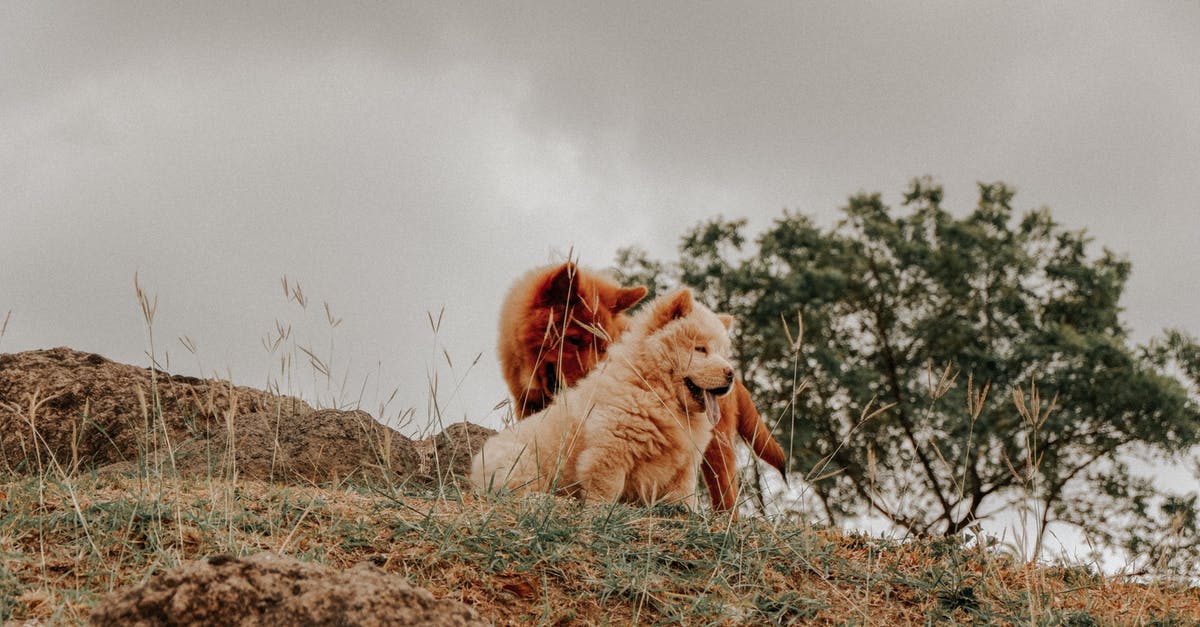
(728, 374)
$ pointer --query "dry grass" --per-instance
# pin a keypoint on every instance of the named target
(68, 541)
(70, 536)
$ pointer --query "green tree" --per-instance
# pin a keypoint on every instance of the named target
(994, 341)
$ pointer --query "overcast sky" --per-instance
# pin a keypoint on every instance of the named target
(397, 159)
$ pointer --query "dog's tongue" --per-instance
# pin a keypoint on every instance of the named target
(711, 408)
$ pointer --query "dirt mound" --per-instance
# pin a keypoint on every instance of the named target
(84, 411)
(89, 411)
(266, 589)
(317, 447)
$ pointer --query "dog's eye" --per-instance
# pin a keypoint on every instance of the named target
(703, 350)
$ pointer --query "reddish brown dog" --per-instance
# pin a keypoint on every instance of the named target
(555, 326)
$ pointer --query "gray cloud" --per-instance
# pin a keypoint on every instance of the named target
(398, 159)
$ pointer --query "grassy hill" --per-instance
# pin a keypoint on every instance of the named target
(68, 541)
(98, 492)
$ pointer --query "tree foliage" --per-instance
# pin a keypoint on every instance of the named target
(993, 339)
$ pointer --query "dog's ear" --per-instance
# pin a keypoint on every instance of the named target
(726, 320)
(628, 297)
(669, 308)
(559, 285)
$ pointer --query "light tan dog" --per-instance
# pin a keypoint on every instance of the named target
(636, 427)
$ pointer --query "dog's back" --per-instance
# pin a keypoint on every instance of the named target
(530, 455)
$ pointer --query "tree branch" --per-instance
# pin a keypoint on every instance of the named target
(893, 376)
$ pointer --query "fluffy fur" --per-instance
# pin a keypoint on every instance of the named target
(555, 325)
(536, 361)
(635, 428)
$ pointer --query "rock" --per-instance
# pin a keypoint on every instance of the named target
(89, 411)
(457, 444)
(445, 459)
(266, 589)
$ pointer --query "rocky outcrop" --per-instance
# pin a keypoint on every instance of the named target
(64, 407)
(65, 410)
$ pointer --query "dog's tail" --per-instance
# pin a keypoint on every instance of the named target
(755, 432)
